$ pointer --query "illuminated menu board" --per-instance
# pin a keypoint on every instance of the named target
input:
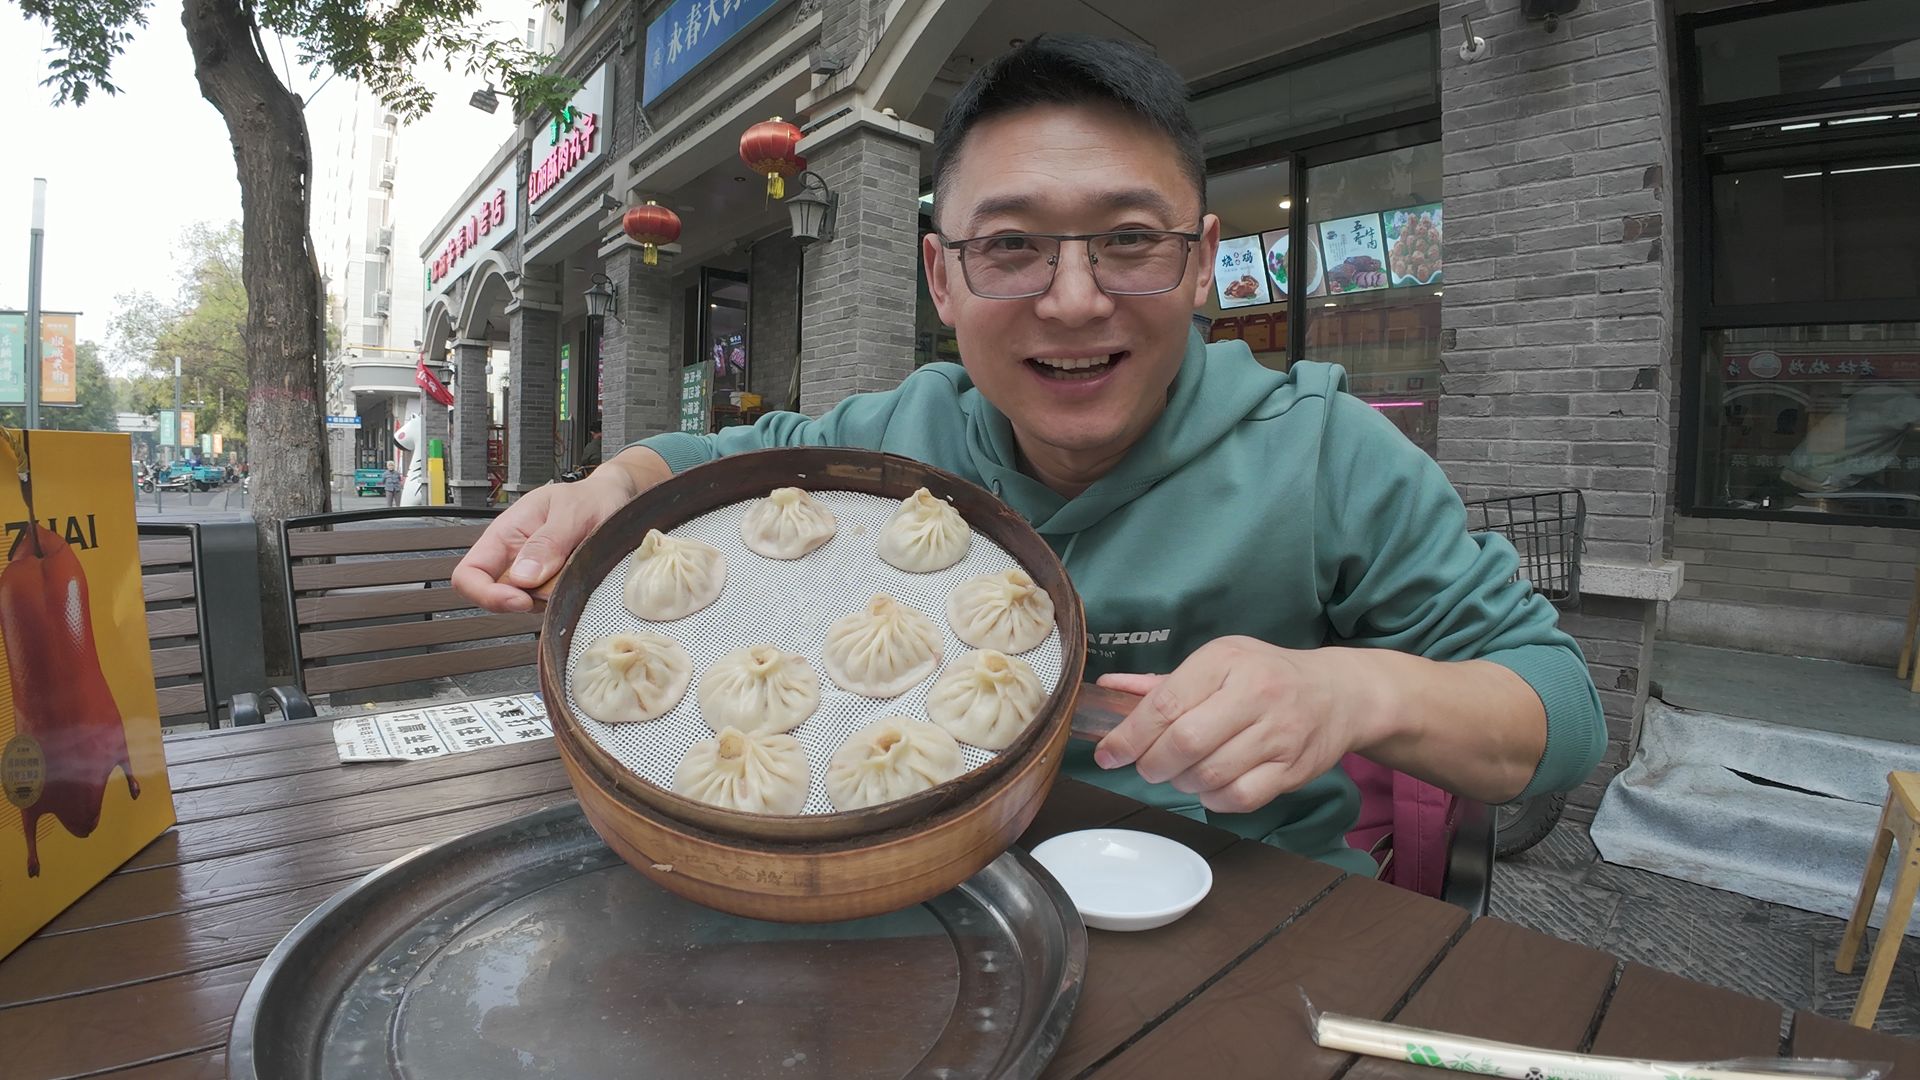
(1238, 278)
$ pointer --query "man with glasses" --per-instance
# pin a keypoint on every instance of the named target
(1283, 575)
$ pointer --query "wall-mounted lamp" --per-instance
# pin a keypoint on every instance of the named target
(603, 299)
(812, 209)
(485, 99)
(1548, 11)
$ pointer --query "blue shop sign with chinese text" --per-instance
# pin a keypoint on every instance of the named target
(683, 37)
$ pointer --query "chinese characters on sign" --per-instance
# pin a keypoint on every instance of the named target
(1238, 277)
(487, 224)
(1901, 366)
(489, 215)
(682, 37)
(695, 381)
(574, 140)
(59, 359)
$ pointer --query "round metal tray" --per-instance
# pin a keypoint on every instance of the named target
(530, 949)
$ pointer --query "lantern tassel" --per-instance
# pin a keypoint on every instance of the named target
(776, 186)
(650, 255)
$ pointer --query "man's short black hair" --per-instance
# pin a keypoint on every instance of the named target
(1073, 69)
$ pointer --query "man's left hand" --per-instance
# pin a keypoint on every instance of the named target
(1240, 722)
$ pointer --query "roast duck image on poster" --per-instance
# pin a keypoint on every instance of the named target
(69, 735)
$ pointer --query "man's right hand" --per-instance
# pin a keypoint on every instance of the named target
(527, 544)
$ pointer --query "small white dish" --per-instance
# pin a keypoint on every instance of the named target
(1121, 879)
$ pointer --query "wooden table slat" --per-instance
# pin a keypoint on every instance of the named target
(296, 787)
(1509, 984)
(147, 894)
(1663, 1017)
(1824, 1037)
(242, 833)
(79, 1035)
(1355, 952)
(1134, 977)
(209, 936)
(204, 1065)
(190, 746)
(1073, 805)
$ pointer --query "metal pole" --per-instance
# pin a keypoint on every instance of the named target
(171, 454)
(37, 242)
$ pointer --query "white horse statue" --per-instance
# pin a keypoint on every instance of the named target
(407, 438)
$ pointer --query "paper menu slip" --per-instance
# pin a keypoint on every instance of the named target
(431, 731)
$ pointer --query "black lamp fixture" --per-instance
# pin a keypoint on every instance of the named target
(1548, 11)
(812, 209)
(603, 299)
(485, 99)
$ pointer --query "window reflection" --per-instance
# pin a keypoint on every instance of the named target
(1817, 419)
(1375, 281)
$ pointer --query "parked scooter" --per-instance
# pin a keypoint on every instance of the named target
(155, 479)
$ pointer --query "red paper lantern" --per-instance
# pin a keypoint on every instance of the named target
(768, 148)
(652, 225)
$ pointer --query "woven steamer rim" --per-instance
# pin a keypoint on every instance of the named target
(742, 478)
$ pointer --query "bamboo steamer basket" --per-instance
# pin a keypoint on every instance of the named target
(817, 867)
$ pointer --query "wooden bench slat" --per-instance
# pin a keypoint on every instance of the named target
(167, 586)
(189, 698)
(357, 641)
(327, 679)
(373, 572)
(184, 660)
(174, 622)
(350, 541)
(353, 607)
(166, 551)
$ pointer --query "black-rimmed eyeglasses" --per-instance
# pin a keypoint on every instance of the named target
(1128, 262)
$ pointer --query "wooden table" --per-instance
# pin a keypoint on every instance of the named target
(141, 977)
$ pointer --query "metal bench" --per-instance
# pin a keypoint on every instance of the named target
(201, 586)
(368, 598)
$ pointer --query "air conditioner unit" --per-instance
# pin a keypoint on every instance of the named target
(385, 244)
(383, 305)
(386, 174)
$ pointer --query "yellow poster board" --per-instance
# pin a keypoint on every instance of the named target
(82, 770)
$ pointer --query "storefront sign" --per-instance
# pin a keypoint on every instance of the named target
(1821, 366)
(488, 222)
(169, 428)
(696, 385)
(59, 359)
(186, 428)
(574, 140)
(689, 33)
(343, 421)
(566, 378)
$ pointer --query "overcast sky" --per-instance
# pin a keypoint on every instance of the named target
(127, 173)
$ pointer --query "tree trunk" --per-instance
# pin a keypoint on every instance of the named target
(284, 334)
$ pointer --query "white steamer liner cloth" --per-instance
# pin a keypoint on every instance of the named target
(790, 605)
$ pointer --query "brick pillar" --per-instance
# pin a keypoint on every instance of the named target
(467, 473)
(436, 422)
(533, 330)
(1557, 319)
(858, 293)
(774, 336)
(635, 349)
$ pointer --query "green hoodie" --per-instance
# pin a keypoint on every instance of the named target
(1270, 505)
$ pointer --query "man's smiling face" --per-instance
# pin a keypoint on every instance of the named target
(1081, 374)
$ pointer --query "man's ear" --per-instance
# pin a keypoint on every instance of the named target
(934, 257)
(1209, 248)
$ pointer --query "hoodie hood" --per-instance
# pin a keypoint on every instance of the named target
(1216, 387)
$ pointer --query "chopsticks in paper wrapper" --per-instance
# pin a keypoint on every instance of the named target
(1458, 1053)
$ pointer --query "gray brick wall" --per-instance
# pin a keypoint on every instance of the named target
(436, 422)
(1557, 321)
(858, 295)
(775, 330)
(535, 374)
(1617, 638)
(467, 476)
(639, 399)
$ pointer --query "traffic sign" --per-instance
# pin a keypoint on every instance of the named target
(343, 421)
